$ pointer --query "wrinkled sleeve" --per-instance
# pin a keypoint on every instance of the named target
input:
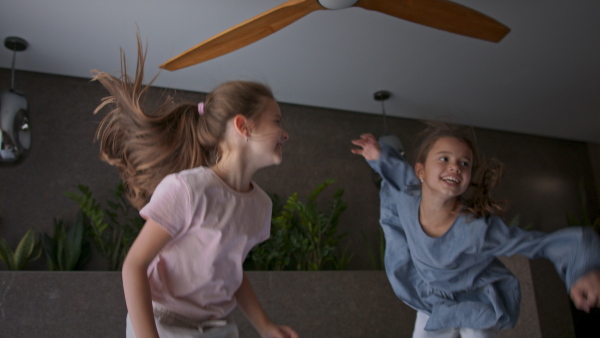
(393, 168)
(169, 205)
(574, 251)
(399, 267)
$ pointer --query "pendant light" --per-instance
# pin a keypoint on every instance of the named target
(15, 133)
(387, 138)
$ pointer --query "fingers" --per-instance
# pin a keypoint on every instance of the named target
(592, 297)
(370, 147)
(288, 332)
(279, 331)
(585, 293)
(592, 301)
(365, 140)
(579, 299)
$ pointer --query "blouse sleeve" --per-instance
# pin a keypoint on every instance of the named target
(170, 205)
(393, 168)
(399, 266)
(574, 251)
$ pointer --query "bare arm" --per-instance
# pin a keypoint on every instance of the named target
(249, 304)
(146, 246)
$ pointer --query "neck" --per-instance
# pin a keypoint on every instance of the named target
(235, 172)
(437, 215)
(439, 204)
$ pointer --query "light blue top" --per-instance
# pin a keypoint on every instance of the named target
(456, 279)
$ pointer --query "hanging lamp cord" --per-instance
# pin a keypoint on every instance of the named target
(385, 129)
(12, 74)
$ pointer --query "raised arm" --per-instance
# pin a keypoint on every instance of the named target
(386, 161)
(147, 245)
(370, 147)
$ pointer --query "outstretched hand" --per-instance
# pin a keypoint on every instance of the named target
(585, 292)
(370, 147)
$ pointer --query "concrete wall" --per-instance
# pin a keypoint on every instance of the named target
(328, 304)
(541, 182)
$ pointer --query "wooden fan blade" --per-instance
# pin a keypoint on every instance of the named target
(441, 14)
(245, 33)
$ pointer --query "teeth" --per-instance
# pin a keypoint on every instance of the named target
(451, 179)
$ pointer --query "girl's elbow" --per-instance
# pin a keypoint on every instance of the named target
(131, 265)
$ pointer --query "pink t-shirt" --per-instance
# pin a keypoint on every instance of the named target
(213, 228)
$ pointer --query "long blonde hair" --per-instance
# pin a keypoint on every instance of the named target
(146, 147)
(486, 173)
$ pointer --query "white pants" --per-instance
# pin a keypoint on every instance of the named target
(226, 329)
(420, 332)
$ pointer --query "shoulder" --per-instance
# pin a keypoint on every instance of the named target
(198, 174)
(388, 191)
(197, 179)
(261, 196)
(186, 184)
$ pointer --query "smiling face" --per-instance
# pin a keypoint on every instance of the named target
(447, 169)
(267, 136)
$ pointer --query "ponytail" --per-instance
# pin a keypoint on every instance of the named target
(478, 200)
(146, 147)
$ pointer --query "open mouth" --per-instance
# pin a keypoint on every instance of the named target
(451, 179)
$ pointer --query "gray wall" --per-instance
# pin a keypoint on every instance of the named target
(541, 182)
(328, 304)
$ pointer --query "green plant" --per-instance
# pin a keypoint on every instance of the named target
(27, 250)
(303, 237)
(68, 249)
(583, 219)
(113, 230)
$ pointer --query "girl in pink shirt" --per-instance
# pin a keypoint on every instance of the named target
(189, 169)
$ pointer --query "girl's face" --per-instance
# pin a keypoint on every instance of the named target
(447, 168)
(267, 136)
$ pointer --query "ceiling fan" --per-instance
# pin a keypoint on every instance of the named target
(440, 14)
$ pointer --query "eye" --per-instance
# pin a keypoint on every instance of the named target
(465, 164)
(444, 159)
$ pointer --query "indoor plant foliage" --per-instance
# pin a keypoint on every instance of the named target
(302, 237)
(27, 250)
(113, 229)
(68, 248)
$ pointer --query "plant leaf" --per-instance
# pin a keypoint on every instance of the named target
(6, 255)
(25, 250)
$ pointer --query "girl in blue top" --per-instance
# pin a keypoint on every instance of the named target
(442, 239)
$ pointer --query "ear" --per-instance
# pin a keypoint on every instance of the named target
(241, 125)
(419, 170)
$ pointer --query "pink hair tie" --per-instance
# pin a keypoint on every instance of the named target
(201, 108)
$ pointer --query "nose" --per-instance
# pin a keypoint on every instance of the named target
(285, 136)
(455, 167)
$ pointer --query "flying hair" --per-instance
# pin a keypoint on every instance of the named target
(145, 146)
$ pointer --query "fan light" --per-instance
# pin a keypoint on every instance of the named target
(15, 132)
(337, 4)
